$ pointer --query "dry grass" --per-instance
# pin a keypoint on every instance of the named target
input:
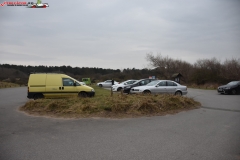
(117, 106)
(8, 85)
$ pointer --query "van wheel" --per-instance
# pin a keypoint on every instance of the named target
(38, 96)
(82, 94)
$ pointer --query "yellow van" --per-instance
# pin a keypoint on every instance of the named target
(53, 85)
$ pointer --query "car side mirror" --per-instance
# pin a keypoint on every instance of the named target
(74, 83)
(157, 86)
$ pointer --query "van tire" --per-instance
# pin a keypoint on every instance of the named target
(82, 94)
(38, 96)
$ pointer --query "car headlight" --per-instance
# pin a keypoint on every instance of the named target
(127, 87)
(92, 90)
(227, 88)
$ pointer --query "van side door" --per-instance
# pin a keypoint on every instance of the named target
(53, 84)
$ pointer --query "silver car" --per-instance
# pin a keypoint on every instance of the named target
(107, 83)
(161, 87)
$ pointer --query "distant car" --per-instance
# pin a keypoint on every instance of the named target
(82, 83)
(161, 87)
(230, 88)
(119, 87)
(107, 83)
(140, 82)
(87, 81)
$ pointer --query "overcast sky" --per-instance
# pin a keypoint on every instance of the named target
(117, 34)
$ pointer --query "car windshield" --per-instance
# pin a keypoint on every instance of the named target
(153, 83)
(137, 81)
(233, 83)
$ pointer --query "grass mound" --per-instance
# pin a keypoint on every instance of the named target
(117, 106)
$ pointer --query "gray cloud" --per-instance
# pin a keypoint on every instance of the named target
(118, 34)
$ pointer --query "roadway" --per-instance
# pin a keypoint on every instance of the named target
(209, 133)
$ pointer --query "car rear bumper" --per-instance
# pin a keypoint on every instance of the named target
(114, 89)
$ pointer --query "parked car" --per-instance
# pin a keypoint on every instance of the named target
(230, 88)
(119, 87)
(107, 83)
(82, 83)
(161, 87)
(87, 81)
(140, 82)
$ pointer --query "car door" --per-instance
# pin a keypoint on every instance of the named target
(238, 87)
(160, 88)
(107, 83)
(171, 87)
(68, 88)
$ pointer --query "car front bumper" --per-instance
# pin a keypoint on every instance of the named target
(224, 91)
(114, 89)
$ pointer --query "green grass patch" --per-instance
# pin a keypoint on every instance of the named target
(117, 106)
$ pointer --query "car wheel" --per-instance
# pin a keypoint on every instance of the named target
(119, 89)
(82, 94)
(178, 93)
(146, 92)
(37, 96)
(100, 85)
(234, 92)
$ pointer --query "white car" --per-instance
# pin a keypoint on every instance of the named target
(82, 83)
(107, 83)
(161, 87)
(118, 87)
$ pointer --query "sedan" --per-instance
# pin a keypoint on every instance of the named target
(230, 88)
(141, 82)
(107, 83)
(120, 86)
(161, 87)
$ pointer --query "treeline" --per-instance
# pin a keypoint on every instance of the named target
(20, 73)
(201, 72)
